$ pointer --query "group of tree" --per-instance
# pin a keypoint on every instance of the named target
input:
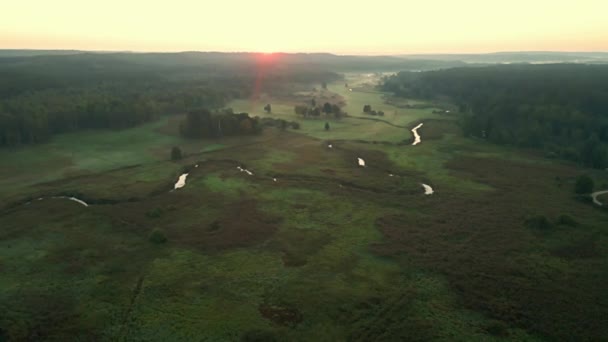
(279, 123)
(328, 109)
(203, 123)
(562, 108)
(367, 109)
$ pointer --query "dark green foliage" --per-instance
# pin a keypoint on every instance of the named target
(367, 108)
(539, 222)
(157, 236)
(498, 328)
(278, 123)
(327, 108)
(155, 213)
(46, 95)
(258, 336)
(327, 126)
(337, 111)
(176, 153)
(204, 124)
(214, 226)
(566, 220)
(584, 185)
(562, 108)
(380, 113)
(307, 111)
(268, 108)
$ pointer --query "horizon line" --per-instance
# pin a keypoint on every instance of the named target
(303, 52)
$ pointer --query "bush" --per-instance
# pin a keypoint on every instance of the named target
(154, 213)
(498, 328)
(567, 220)
(157, 236)
(176, 153)
(539, 222)
(258, 336)
(584, 185)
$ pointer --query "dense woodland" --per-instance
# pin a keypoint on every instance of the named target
(202, 123)
(562, 108)
(45, 95)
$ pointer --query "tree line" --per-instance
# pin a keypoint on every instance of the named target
(561, 108)
(46, 95)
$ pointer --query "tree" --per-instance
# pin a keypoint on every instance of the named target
(316, 112)
(327, 108)
(313, 102)
(584, 185)
(367, 108)
(246, 126)
(157, 236)
(327, 126)
(336, 110)
(380, 113)
(268, 108)
(176, 153)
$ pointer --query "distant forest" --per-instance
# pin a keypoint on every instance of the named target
(562, 108)
(41, 96)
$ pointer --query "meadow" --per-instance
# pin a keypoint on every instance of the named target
(311, 246)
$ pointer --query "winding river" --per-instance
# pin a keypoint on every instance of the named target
(596, 194)
(73, 199)
(416, 135)
(181, 182)
(428, 190)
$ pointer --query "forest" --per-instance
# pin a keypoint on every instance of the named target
(41, 96)
(560, 108)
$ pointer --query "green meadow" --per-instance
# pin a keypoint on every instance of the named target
(311, 246)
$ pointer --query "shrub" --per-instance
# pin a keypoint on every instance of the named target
(157, 236)
(498, 328)
(154, 213)
(584, 185)
(258, 336)
(176, 153)
(539, 222)
(567, 220)
(214, 226)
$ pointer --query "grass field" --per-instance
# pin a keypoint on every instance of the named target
(328, 252)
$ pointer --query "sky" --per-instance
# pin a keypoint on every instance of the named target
(369, 27)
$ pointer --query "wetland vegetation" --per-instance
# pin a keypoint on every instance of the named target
(222, 197)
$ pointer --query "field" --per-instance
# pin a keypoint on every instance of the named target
(310, 247)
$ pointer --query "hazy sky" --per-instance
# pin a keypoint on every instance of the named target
(345, 27)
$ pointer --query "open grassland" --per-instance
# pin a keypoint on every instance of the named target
(328, 252)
